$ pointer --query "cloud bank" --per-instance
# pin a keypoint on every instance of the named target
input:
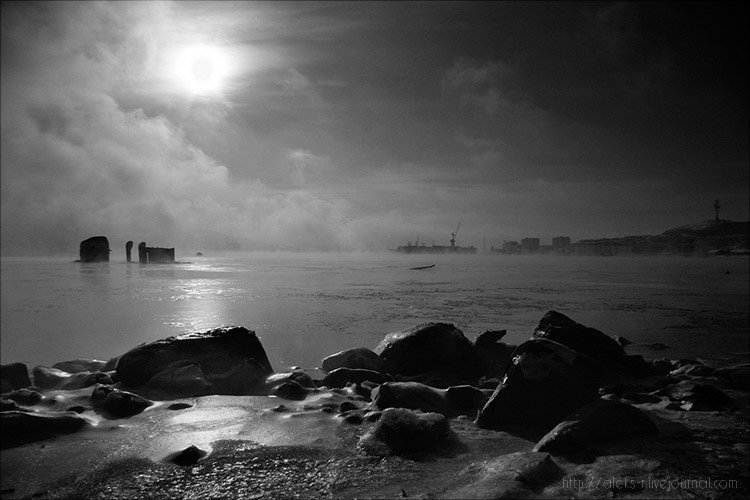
(75, 163)
(351, 126)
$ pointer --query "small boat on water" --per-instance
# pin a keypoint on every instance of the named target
(422, 267)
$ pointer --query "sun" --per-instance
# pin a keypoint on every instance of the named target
(201, 69)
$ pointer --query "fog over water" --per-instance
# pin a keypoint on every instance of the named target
(305, 306)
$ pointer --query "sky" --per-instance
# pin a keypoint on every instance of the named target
(363, 125)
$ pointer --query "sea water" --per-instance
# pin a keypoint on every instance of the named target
(307, 306)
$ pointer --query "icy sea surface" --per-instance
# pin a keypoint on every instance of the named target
(306, 306)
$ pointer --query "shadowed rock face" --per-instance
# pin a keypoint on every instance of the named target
(596, 422)
(188, 456)
(20, 427)
(544, 383)
(589, 341)
(516, 475)
(95, 249)
(232, 360)
(25, 397)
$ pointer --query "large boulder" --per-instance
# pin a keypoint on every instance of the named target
(588, 341)
(451, 402)
(597, 422)
(21, 427)
(402, 431)
(14, 376)
(113, 403)
(436, 348)
(231, 359)
(357, 358)
(545, 382)
(343, 376)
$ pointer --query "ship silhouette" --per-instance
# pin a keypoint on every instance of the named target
(423, 248)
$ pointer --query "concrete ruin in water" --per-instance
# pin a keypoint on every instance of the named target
(150, 255)
(94, 249)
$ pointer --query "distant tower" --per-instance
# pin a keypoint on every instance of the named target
(716, 207)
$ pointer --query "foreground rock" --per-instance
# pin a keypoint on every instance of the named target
(296, 381)
(692, 396)
(597, 422)
(227, 360)
(114, 404)
(439, 352)
(80, 365)
(290, 390)
(24, 397)
(188, 456)
(21, 427)
(493, 353)
(404, 431)
(305, 452)
(14, 376)
(343, 376)
(451, 402)
(357, 358)
(545, 383)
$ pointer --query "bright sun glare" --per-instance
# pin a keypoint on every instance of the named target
(202, 69)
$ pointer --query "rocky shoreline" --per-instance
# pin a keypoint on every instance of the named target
(427, 413)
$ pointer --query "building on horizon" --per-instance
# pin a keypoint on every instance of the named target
(530, 245)
(560, 242)
(561, 245)
(511, 247)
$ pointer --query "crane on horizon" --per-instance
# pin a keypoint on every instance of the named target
(453, 235)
